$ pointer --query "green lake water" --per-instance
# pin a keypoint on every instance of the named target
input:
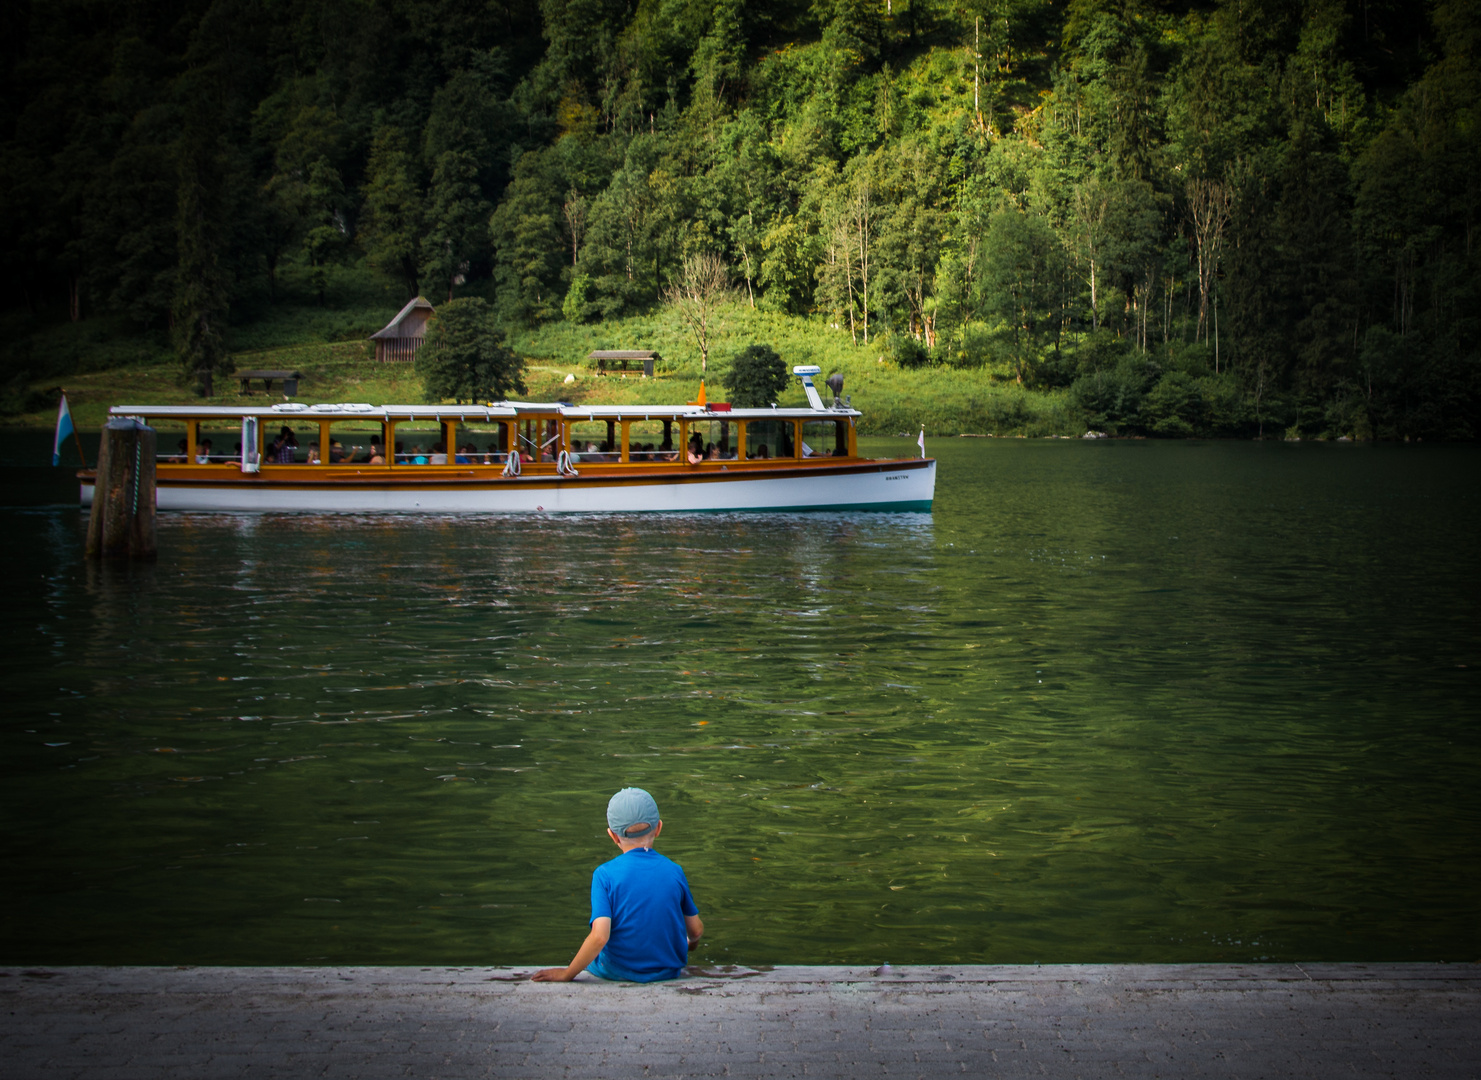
(1123, 701)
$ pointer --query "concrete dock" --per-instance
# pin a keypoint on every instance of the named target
(1227, 1021)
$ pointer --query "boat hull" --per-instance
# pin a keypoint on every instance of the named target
(903, 485)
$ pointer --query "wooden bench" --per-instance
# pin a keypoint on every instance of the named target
(289, 379)
(618, 359)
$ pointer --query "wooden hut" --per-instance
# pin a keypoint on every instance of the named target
(624, 360)
(400, 339)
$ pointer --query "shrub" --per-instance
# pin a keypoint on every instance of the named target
(1112, 399)
(909, 352)
(1174, 407)
(1226, 408)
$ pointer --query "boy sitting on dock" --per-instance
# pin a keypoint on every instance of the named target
(643, 918)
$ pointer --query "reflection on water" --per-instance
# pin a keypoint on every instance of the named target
(1110, 702)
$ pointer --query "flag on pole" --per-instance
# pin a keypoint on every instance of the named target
(64, 428)
(921, 442)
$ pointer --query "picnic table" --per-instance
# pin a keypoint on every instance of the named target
(289, 379)
(619, 359)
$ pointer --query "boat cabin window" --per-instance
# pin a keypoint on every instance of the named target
(595, 441)
(474, 444)
(417, 443)
(170, 443)
(218, 441)
(713, 440)
(341, 442)
(825, 438)
(482, 444)
(453, 442)
(652, 441)
(766, 439)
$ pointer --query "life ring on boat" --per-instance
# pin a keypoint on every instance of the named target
(511, 463)
(564, 466)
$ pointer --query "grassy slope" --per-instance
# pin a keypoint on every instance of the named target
(945, 401)
(328, 345)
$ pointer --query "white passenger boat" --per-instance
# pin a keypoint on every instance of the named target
(523, 457)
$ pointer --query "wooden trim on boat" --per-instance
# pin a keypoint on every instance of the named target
(452, 477)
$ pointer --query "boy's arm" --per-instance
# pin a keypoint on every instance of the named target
(601, 930)
(694, 928)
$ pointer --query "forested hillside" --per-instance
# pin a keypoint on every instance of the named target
(1230, 217)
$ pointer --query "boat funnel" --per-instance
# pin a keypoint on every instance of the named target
(806, 373)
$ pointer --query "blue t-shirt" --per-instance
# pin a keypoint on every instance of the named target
(646, 896)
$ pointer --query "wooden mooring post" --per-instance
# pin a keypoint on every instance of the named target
(122, 522)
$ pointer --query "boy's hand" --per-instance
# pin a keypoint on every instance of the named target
(601, 931)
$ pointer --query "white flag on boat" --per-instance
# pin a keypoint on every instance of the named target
(64, 428)
(921, 442)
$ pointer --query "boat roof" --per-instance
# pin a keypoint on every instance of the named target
(501, 410)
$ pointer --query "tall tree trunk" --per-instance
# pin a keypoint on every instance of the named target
(1210, 203)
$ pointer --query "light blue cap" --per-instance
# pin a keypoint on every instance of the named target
(632, 813)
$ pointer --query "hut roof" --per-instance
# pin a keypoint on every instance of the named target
(392, 329)
(621, 354)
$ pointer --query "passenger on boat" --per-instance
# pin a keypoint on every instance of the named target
(418, 456)
(178, 458)
(376, 457)
(338, 455)
(439, 454)
(203, 452)
(285, 447)
(696, 450)
(313, 456)
(761, 454)
(465, 455)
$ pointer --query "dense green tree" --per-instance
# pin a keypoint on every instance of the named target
(464, 357)
(1209, 217)
(393, 221)
(328, 235)
(756, 376)
(199, 307)
(529, 248)
(455, 221)
(1021, 284)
